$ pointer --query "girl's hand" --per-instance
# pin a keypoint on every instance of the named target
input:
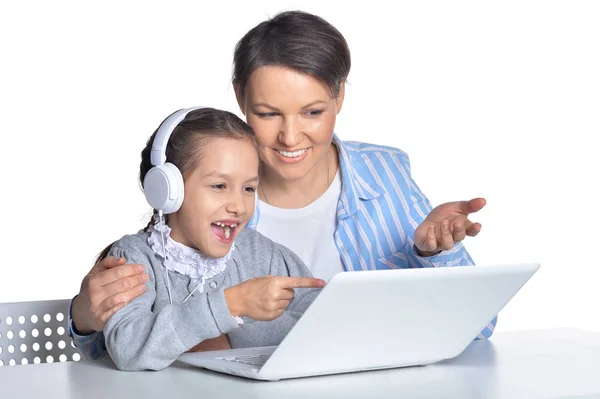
(266, 298)
(214, 344)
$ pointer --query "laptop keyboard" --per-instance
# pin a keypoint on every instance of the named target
(253, 360)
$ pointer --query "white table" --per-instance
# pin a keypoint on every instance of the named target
(526, 364)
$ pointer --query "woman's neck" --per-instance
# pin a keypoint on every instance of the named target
(294, 194)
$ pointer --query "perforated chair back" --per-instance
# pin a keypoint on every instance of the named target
(35, 332)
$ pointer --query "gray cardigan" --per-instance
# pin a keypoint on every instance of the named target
(149, 333)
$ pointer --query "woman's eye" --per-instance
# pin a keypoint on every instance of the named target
(267, 114)
(218, 186)
(250, 189)
(314, 112)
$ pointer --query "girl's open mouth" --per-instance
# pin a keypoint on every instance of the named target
(224, 230)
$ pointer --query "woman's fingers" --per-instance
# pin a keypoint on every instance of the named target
(104, 317)
(428, 242)
(446, 239)
(120, 298)
(458, 231)
(431, 242)
(443, 235)
(109, 276)
(125, 284)
(109, 262)
(473, 229)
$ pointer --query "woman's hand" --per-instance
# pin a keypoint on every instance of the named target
(446, 225)
(109, 286)
(266, 298)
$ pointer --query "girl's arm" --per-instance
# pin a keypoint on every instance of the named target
(139, 338)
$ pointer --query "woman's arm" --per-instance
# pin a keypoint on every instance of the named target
(109, 286)
(435, 235)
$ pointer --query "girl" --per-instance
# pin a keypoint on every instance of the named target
(207, 275)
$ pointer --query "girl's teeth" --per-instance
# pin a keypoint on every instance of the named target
(225, 225)
(227, 228)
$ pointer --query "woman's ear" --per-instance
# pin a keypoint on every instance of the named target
(340, 98)
(239, 99)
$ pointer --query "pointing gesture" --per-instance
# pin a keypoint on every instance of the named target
(446, 225)
(266, 298)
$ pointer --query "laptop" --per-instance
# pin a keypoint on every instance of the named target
(370, 320)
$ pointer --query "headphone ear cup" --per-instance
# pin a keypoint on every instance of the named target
(164, 189)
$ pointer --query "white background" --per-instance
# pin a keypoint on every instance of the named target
(499, 100)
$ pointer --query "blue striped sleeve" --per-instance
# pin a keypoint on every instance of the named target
(396, 165)
(92, 346)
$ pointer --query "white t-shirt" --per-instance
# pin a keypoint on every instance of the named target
(308, 231)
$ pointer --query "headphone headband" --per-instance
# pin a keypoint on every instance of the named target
(158, 154)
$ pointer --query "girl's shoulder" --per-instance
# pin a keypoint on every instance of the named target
(250, 243)
(135, 242)
(252, 246)
(268, 256)
(134, 247)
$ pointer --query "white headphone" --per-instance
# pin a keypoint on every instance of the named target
(163, 184)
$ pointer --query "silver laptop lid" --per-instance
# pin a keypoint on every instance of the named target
(392, 318)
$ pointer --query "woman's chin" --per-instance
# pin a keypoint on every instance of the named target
(290, 172)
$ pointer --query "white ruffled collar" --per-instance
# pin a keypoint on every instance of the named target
(183, 259)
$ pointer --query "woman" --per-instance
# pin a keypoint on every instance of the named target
(340, 206)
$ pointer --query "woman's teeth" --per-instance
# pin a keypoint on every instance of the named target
(293, 154)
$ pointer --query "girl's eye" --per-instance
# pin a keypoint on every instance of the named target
(250, 189)
(218, 186)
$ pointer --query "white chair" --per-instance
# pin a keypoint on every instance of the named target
(35, 332)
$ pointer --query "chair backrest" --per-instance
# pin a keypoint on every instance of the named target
(35, 332)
